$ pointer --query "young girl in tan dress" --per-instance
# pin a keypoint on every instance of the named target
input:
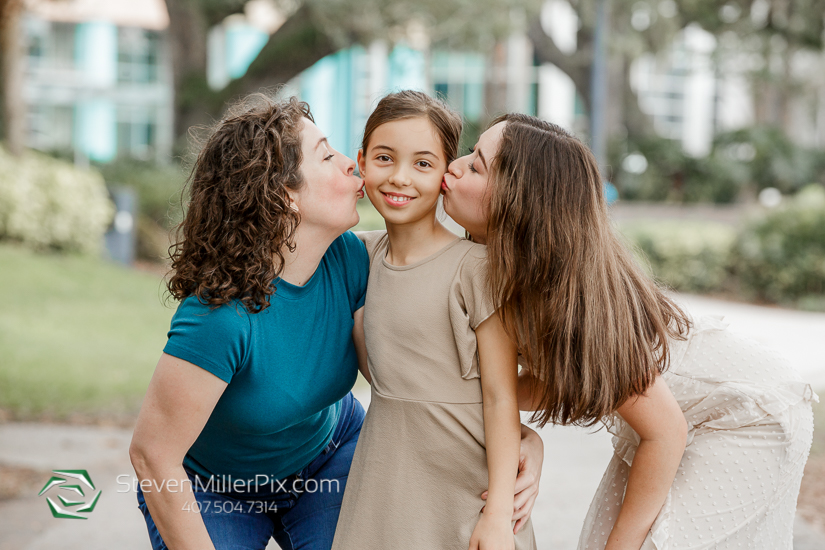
(443, 422)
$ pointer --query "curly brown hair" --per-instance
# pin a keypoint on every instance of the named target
(230, 245)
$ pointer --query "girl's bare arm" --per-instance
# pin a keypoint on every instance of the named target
(502, 430)
(661, 425)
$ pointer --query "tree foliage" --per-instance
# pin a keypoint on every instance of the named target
(317, 28)
(761, 36)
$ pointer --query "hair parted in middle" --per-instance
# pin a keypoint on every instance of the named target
(593, 327)
(413, 104)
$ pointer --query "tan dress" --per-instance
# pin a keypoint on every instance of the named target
(421, 464)
(749, 433)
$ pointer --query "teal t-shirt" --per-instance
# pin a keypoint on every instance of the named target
(287, 368)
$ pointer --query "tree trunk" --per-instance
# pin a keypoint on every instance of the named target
(637, 122)
(495, 87)
(11, 75)
(188, 30)
(575, 65)
(788, 89)
(296, 46)
(616, 119)
(624, 107)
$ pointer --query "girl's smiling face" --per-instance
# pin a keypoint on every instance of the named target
(466, 189)
(402, 169)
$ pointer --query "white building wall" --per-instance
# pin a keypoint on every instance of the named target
(519, 72)
(557, 96)
(378, 72)
(735, 103)
(699, 92)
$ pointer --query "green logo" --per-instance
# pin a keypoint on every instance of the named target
(71, 480)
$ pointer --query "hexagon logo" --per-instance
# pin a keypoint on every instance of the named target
(73, 481)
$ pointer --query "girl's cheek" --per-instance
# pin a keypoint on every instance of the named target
(478, 197)
(374, 180)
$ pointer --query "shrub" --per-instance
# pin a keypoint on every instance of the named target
(753, 158)
(780, 257)
(48, 203)
(771, 158)
(672, 175)
(689, 256)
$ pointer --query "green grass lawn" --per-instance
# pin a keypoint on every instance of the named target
(77, 335)
(80, 335)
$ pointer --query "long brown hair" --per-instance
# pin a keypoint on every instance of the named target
(593, 327)
(414, 104)
(238, 221)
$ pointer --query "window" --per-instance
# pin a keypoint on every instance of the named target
(460, 77)
(49, 45)
(137, 55)
(136, 132)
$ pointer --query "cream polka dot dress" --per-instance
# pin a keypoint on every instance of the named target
(750, 427)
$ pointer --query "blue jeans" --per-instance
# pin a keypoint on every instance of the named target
(299, 512)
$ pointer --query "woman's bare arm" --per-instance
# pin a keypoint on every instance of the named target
(178, 402)
(661, 426)
(531, 461)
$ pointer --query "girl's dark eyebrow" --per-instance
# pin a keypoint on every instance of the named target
(388, 148)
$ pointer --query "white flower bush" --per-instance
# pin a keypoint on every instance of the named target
(47, 203)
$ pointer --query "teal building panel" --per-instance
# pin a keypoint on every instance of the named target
(96, 52)
(243, 44)
(96, 129)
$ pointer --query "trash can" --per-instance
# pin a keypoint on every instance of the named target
(121, 238)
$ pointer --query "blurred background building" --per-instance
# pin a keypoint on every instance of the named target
(99, 83)
(98, 79)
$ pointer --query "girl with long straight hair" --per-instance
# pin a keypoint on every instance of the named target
(712, 431)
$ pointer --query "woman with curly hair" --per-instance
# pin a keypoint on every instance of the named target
(712, 431)
(248, 427)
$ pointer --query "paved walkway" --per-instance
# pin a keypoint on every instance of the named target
(574, 458)
(799, 335)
